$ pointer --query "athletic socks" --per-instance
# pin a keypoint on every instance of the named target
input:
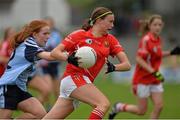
(96, 114)
(121, 107)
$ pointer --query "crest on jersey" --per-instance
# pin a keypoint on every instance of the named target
(106, 43)
(88, 41)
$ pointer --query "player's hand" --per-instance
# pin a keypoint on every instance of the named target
(72, 59)
(158, 76)
(175, 51)
(110, 67)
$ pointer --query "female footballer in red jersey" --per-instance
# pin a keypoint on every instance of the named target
(77, 83)
(5, 49)
(147, 80)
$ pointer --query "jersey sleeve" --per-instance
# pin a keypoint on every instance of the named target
(115, 46)
(143, 50)
(71, 40)
(31, 51)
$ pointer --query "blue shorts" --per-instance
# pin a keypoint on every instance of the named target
(11, 96)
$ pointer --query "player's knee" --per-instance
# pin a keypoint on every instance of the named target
(40, 114)
(104, 105)
(159, 106)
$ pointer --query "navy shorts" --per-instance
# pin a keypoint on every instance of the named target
(52, 69)
(11, 95)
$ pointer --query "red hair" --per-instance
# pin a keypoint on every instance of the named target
(28, 30)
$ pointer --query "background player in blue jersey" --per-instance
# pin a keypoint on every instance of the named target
(28, 48)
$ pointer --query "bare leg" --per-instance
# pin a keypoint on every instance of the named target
(140, 108)
(87, 93)
(32, 108)
(62, 108)
(157, 99)
(5, 113)
(43, 86)
(91, 95)
(56, 84)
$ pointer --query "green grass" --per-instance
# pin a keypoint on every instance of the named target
(122, 92)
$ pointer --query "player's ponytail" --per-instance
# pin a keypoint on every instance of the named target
(99, 12)
(144, 24)
(27, 31)
(86, 25)
(143, 27)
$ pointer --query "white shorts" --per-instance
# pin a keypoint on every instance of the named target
(144, 91)
(68, 85)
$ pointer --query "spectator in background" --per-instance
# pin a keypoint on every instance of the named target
(147, 80)
(5, 49)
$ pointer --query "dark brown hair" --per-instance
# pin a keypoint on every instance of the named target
(144, 24)
(28, 30)
(99, 12)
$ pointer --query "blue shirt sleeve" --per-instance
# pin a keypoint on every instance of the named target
(31, 51)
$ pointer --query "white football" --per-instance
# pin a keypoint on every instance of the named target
(87, 57)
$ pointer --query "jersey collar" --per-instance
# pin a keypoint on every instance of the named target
(152, 37)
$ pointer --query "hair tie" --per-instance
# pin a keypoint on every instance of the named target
(91, 22)
(104, 14)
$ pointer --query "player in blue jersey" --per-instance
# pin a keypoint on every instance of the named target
(28, 48)
(47, 82)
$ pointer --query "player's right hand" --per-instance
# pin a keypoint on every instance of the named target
(158, 76)
(72, 59)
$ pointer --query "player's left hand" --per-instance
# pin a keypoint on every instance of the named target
(158, 76)
(110, 67)
(175, 51)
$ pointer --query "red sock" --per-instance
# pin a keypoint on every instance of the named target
(124, 107)
(96, 114)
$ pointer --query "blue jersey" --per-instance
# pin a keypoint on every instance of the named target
(21, 64)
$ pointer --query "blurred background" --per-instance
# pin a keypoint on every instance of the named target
(70, 14)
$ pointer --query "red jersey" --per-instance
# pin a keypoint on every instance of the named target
(104, 46)
(5, 50)
(149, 50)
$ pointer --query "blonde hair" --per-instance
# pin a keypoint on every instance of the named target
(28, 30)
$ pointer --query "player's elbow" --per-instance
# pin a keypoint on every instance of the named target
(128, 66)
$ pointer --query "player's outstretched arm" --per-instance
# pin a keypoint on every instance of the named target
(45, 55)
(58, 53)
